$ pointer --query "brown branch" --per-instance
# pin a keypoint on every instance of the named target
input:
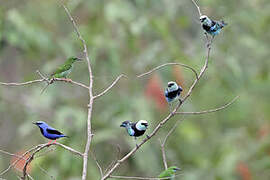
(211, 110)
(42, 146)
(91, 97)
(23, 83)
(136, 177)
(111, 86)
(198, 8)
(167, 64)
(20, 157)
(161, 123)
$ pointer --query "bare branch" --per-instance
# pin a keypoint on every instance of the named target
(211, 110)
(198, 8)
(111, 86)
(97, 163)
(167, 64)
(23, 83)
(20, 157)
(91, 98)
(136, 177)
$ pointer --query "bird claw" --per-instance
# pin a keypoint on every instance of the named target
(137, 146)
(148, 137)
(67, 80)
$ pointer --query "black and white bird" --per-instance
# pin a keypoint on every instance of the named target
(211, 27)
(135, 129)
(172, 92)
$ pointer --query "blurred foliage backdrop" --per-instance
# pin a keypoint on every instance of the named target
(131, 37)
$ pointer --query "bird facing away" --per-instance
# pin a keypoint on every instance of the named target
(172, 92)
(49, 132)
(64, 70)
(135, 129)
(170, 172)
(212, 27)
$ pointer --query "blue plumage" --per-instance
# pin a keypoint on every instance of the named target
(49, 132)
(212, 27)
(172, 92)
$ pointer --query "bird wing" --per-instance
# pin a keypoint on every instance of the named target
(166, 93)
(61, 69)
(53, 131)
(165, 174)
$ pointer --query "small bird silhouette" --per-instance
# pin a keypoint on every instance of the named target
(170, 172)
(211, 27)
(49, 132)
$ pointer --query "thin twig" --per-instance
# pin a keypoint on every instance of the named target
(160, 124)
(198, 8)
(91, 97)
(111, 86)
(97, 163)
(46, 172)
(167, 64)
(149, 178)
(210, 110)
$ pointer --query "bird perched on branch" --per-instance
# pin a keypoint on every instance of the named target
(172, 92)
(135, 129)
(170, 172)
(212, 27)
(49, 132)
(64, 70)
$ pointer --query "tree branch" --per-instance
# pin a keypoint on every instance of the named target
(167, 64)
(211, 110)
(91, 97)
(198, 8)
(111, 86)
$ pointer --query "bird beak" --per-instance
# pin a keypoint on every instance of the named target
(79, 59)
(34, 123)
(177, 169)
(122, 125)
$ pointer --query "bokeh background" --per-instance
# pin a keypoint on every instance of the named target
(131, 37)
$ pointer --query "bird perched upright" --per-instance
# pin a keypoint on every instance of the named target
(172, 92)
(170, 172)
(135, 129)
(211, 27)
(65, 69)
(49, 132)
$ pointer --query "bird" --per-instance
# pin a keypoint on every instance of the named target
(135, 129)
(62, 71)
(49, 132)
(172, 92)
(65, 69)
(170, 172)
(211, 27)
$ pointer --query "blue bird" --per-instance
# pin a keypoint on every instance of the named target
(210, 26)
(135, 129)
(49, 132)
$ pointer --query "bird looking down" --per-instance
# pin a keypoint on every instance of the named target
(170, 172)
(212, 27)
(64, 70)
(172, 92)
(49, 132)
(135, 129)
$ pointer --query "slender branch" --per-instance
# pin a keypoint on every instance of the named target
(161, 123)
(23, 83)
(39, 147)
(20, 157)
(198, 8)
(91, 97)
(211, 110)
(111, 86)
(167, 64)
(136, 177)
(97, 163)
(162, 144)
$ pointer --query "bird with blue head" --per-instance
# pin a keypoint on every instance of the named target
(210, 26)
(172, 92)
(135, 129)
(49, 132)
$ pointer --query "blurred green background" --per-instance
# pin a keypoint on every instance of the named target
(131, 37)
